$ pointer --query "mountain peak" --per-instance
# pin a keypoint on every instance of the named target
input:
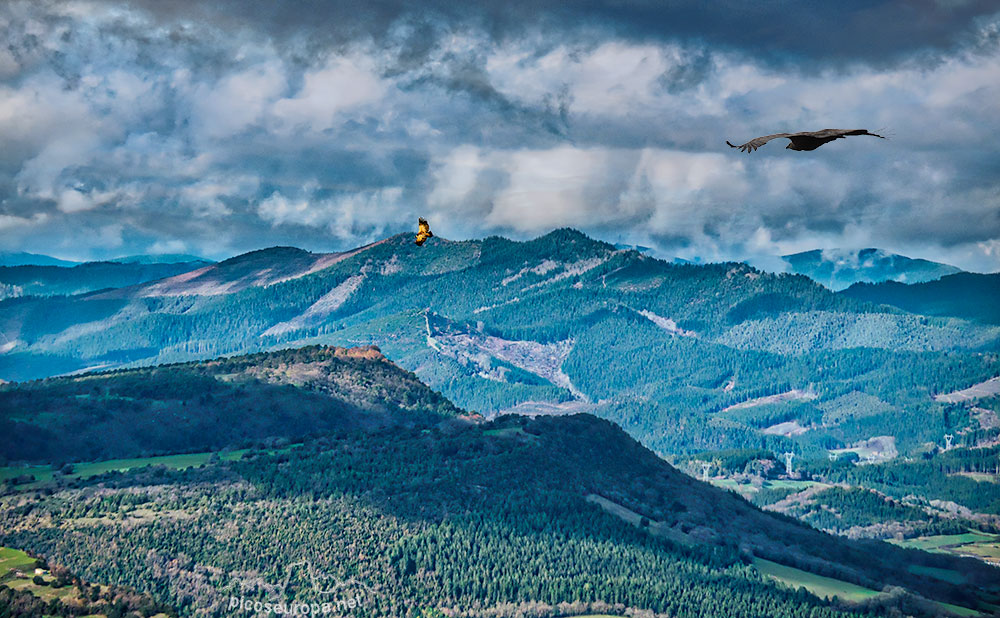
(160, 258)
(269, 252)
(566, 234)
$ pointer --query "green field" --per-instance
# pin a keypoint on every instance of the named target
(989, 551)
(947, 575)
(45, 474)
(985, 547)
(959, 610)
(11, 559)
(823, 587)
(746, 488)
(14, 559)
(827, 587)
(937, 543)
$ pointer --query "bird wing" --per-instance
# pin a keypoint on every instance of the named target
(837, 133)
(757, 142)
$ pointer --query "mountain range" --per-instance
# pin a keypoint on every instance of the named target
(685, 357)
(62, 280)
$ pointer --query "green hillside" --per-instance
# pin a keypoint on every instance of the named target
(477, 517)
(224, 403)
(970, 296)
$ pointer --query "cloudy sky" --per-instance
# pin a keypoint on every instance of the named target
(219, 127)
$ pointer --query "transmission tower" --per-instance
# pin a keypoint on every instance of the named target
(705, 467)
(947, 441)
(788, 462)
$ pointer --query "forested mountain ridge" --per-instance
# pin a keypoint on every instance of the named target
(224, 403)
(971, 296)
(563, 320)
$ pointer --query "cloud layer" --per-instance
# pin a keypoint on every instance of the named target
(200, 127)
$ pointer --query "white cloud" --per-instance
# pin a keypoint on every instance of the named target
(342, 84)
(71, 201)
(173, 245)
(589, 187)
(348, 216)
(9, 222)
(233, 103)
(205, 198)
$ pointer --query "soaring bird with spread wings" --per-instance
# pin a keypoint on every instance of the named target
(423, 231)
(804, 140)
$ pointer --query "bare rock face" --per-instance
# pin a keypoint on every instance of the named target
(371, 352)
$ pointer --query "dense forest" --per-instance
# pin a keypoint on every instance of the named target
(971, 296)
(472, 517)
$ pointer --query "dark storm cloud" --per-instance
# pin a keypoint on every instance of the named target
(811, 29)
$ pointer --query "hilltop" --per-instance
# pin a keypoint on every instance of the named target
(59, 279)
(211, 405)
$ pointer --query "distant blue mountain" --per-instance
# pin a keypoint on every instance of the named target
(162, 258)
(839, 269)
(34, 280)
(21, 258)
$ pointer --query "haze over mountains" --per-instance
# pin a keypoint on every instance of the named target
(22, 258)
(685, 357)
(839, 269)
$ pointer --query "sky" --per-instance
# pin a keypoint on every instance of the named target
(215, 128)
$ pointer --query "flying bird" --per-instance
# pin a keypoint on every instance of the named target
(423, 231)
(804, 140)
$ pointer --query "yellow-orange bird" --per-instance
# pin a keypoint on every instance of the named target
(423, 231)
